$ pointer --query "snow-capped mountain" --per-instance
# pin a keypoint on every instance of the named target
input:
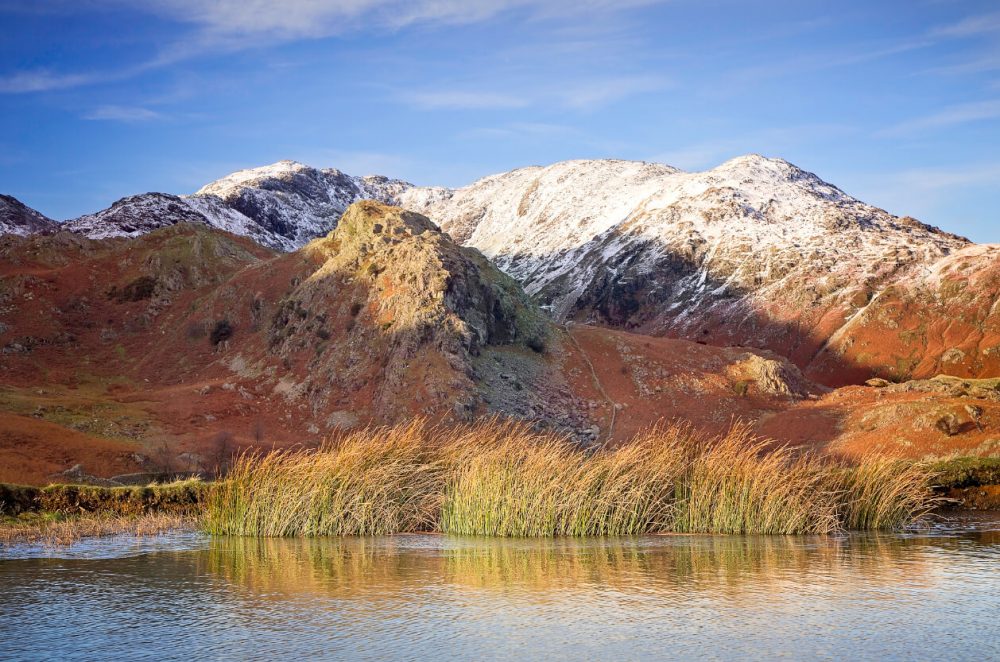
(606, 237)
(18, 218)
(135, 215)
(289, 200)
(282, 206)
(754, 252)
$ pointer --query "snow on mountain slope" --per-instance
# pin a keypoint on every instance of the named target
(217, 214)
(292, 201)
(755, 251)
(752, 222)
(135, 215)
(281, 206)
(20, 219)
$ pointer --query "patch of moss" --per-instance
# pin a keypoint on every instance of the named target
(178, 498)
(966, 472)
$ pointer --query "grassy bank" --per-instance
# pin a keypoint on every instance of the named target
(61, 514)
(180, 498)
(502, 479)
(962, 472)
(61, 529)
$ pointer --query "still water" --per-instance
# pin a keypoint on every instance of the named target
(928, 595)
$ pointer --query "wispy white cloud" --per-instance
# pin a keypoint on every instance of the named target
(951, 116)
(978, 65)
(225, 26)
(463, 100)
(292, 19)
(827, 61)
(972, 25)
(122, 114)
(43, 80)
(585, 94)
(929, 179)
(598, 92)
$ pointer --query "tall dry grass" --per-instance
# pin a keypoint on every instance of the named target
(370, 482)
(501, 478)
(881, 494)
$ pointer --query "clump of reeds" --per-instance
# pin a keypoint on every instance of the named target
(503, 479)
(530, 484)
(736, 484)
(881, 493)
(370, 482)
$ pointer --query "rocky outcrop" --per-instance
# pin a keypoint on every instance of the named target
(391, 304)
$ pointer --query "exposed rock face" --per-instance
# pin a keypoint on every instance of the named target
(20, 219)
(770, 376)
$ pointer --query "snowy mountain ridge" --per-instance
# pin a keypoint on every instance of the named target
(281, 206)
(578, 233)
(20, 219)
(755, 252)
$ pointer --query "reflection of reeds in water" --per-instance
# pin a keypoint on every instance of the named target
(502, 479)
(731, 565)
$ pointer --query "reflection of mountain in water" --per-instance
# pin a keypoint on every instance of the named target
(433, 597)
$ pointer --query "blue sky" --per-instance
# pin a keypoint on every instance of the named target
(896, 102)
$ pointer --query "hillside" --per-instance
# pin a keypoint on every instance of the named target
(755, 252)
(174, 348)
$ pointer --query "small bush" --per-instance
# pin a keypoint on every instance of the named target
(536, 344)
(222, 331)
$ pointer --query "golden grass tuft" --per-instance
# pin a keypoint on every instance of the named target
(370, 482)
(501, 478)
(882, 493)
